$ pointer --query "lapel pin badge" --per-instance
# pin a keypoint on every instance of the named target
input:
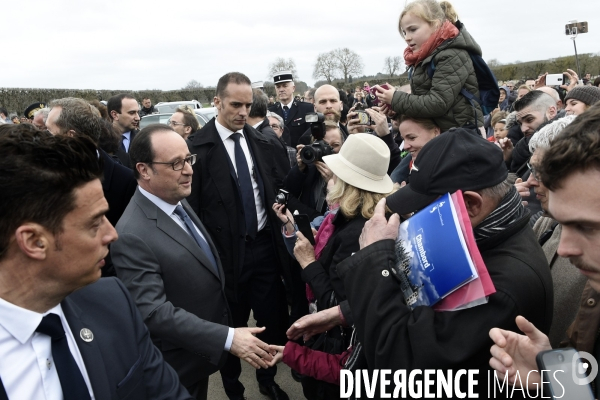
(86, 335)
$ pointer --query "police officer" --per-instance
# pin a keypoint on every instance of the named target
(292, 111)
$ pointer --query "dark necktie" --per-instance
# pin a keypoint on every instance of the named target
(286, 112)
(201, 242)
(71, 379)
(246, 189)
(123, 139)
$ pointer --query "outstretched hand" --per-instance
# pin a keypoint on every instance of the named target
(514, 353)
(250, 348)
(313, 324)
(523, 189)
(378, 227)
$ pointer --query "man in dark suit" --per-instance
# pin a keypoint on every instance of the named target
(166, 259)
(76, 117)
(54, 236)
(292, 112)
(123, 110)
(232, 192)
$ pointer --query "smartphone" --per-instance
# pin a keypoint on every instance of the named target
(564, 374)
(376, 101)
(304, 226)
(363, 118)
(555, 79)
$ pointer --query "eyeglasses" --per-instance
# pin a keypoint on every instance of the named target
(274, 126)
(173, 123)
(178, 165)
(534, 173)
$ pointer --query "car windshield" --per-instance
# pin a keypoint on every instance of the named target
(155, 119)
(171, 107)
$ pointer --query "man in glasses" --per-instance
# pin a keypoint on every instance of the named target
(167, 260)
(184, 121)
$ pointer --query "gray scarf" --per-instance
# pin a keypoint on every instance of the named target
(508, 211)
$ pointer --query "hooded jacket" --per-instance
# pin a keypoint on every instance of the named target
(439, 98)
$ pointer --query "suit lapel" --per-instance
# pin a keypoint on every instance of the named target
(205, 233)
(90, 351)
(171, 229)
(292, 114)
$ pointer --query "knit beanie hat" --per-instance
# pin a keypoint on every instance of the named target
(586, 94)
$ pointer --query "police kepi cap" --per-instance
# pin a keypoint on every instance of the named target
(283, 76)
(457, 159)
(29, 111)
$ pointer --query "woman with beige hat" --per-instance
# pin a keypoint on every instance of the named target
(360, 181)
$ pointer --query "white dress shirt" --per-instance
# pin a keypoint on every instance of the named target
(224, 133)
(169, 209)
(27, 368)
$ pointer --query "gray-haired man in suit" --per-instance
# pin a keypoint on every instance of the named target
(169, 263)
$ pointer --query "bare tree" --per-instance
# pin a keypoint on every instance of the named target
(494, 63)
(349, 63)
(391, 65)
(193, 84)
(326, 67)
(281, 64)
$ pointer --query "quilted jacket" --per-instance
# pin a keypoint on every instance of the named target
(439, 98)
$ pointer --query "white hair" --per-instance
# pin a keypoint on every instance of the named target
(543, 138)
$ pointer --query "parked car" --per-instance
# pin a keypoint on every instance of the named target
(170, 107)
(203, 114)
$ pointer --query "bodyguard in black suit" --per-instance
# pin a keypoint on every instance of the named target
(54, 238)
(232, 192)
(292, 112)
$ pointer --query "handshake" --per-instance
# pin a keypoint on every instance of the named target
(254, 351)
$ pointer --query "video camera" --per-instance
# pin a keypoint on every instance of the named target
(315, 151)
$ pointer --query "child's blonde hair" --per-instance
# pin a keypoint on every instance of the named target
(430, 11)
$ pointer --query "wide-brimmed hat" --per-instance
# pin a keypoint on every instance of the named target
(457, 159)
(363, 162)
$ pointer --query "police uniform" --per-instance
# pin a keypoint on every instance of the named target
(295, 121)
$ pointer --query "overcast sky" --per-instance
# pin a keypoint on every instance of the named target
(163, 45)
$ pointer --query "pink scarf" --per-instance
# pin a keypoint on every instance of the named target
(445, 32)
(323, 235)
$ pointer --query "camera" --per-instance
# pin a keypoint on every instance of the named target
(316, 121)
(282, 198)
(315, 152)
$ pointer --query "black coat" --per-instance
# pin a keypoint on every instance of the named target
(118, 185)
(295, 121)
(122, 154)
(280, 155)
(394, 337)
(217, 202)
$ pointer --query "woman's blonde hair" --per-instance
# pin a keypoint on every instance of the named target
(430, 11)
(353, 200)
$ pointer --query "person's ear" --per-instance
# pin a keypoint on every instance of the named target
(551, 112)
(473, 204)
(71, 133)
(32, 240)
(217, 102)
(143, 170)
(115, 115)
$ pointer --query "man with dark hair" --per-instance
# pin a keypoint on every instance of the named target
(76, 117)
(257, 118)
(167, 260)
(147, 107)
(123, 112)
(184, 121)
(61, 334)
(233, 191)
(4, 116)
(395, 337)
(570, 170)
(292, 112)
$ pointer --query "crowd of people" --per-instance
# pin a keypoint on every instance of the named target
(290, 209)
